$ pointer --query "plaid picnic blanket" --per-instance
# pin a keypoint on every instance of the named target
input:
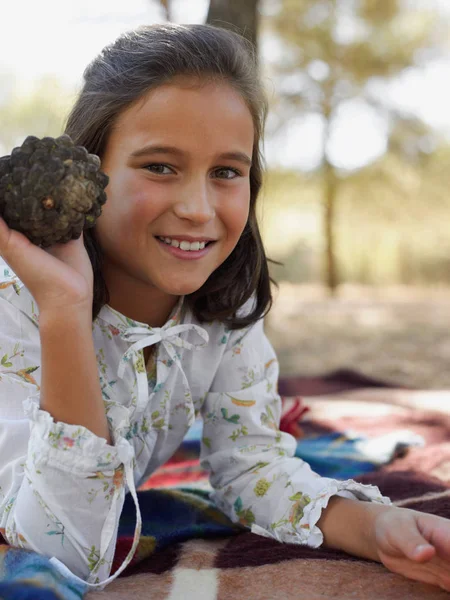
(196, 548)
(183, 530)
(249, 566)
(340, 454)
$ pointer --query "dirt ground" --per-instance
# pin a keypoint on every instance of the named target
(400, 335)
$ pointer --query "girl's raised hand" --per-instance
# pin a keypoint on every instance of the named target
(58, 278)
(414, 544)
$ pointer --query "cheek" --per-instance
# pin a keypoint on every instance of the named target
(128, 207)
(140, 209)
(237, 212)
(147, 203)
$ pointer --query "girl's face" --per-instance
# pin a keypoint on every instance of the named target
(178, 195)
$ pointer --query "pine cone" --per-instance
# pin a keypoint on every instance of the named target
(51, 190)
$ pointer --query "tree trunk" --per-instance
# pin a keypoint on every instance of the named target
(240, 15)
(166, 7)
(330, 194)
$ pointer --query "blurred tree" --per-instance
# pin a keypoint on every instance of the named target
(237, 15)
(242, 15)
(166, 6)
(40, 112)
(330, 52)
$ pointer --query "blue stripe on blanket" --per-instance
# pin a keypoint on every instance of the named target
(172, 516)
(26, 575)
(168, 517)
(338, 455)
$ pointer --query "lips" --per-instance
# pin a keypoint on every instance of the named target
(184, 244)
(187, 238)
(185, 250)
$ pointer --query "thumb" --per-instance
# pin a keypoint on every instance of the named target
(416, 547)
(4, 236)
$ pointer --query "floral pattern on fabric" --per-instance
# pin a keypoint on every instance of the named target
(62, 488)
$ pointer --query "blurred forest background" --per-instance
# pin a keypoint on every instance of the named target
(356, 203)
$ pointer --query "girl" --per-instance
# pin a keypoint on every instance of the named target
(111, 343)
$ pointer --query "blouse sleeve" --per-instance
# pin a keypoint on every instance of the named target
(61, 487)
(257, 480)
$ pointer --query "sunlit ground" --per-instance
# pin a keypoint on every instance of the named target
(399, 334)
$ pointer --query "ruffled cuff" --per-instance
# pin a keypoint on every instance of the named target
(306, 532)
(69, 447)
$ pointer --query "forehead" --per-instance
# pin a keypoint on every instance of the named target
(185, 113)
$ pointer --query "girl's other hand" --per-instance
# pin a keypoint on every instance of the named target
(59, 277)
(414, 544)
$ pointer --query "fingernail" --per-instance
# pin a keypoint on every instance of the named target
(421, 548)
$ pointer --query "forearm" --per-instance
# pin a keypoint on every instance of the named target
(74, 536)
(348, 525)
(70, 386)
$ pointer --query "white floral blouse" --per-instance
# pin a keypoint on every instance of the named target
(62, 488)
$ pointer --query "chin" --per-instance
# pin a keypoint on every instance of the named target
(182, 289)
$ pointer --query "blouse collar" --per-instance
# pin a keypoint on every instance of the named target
(139, 335)
(121, 322)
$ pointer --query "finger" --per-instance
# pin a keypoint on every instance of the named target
(415, 546)
(21, 255)
(422, 553)
(64, 250)
(436, 530)
(11, 244)
(71, 252)
(435, 571)
(4, 234)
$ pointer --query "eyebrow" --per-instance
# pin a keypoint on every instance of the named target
(151, 149)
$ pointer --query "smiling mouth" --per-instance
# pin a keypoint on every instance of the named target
(184, 244)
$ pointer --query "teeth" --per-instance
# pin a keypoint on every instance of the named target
(184, 245)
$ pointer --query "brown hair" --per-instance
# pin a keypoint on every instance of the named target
(125, 71)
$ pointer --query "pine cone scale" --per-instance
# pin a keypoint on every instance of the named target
(51, 190)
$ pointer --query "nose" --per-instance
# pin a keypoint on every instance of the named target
(195, 202)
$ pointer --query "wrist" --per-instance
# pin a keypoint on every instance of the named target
(70, 385)
(349, 525)
(79, 315)
(370, 513)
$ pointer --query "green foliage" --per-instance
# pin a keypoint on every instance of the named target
(332, 51)
(391, 223)
(357, 40)
(40, 112)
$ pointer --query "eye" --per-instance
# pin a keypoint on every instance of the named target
(159, 169)
(227, 173)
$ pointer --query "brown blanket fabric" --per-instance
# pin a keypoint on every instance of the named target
(251, 567)
(255, 568)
